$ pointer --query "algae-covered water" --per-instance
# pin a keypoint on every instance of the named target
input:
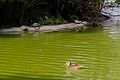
(42, 56)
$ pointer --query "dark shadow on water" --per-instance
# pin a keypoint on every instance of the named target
(18, 34)
(28, 78)
(89, 30)
(7, 35)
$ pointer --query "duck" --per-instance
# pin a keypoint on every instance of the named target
(70, 65)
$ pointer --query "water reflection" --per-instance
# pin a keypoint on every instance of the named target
(30, 33)
(114, 22)
(112, 27)
(9, 35)
(112, 32)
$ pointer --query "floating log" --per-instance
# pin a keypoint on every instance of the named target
(50, 28)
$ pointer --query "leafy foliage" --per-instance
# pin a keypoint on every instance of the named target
(118, 1)
(48, 11)
(52, 20)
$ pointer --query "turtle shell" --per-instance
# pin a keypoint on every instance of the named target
(35, 25)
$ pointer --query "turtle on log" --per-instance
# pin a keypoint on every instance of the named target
(24, 28)
(36, 26)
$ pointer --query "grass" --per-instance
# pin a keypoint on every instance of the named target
(52, 20)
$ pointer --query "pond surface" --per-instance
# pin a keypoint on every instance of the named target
(42, 56)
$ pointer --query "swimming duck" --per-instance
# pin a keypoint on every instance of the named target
(72, 65)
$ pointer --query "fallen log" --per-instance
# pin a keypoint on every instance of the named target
(50, 28)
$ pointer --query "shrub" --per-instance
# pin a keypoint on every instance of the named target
(18, 12)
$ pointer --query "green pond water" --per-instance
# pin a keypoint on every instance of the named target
(42, 56)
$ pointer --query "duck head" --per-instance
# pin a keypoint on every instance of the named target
(68, 63)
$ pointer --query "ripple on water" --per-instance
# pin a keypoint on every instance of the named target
(43, 58)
